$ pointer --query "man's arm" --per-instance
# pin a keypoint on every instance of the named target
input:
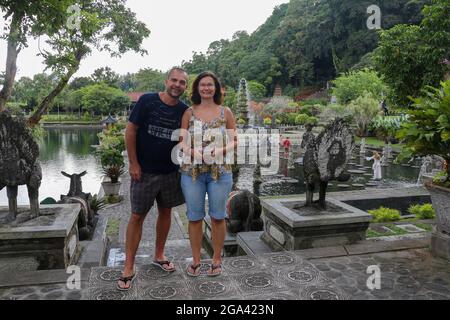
(130, 141)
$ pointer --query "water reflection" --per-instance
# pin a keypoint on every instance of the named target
(394, 176)
(66, 150)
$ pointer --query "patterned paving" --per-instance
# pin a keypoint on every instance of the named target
(272, 276)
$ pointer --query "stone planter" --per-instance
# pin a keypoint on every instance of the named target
(111, 189)
(440, 240)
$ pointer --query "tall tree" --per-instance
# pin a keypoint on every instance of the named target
(106, 25)
(24, 19)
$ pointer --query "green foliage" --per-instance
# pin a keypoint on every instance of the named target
(113, 227)
(301, 119)
(383, 214)
(333, 111)
(302, 43)
(307, 102)
(149, 80)
(267, 121)
(363, 110)
(107, 76)
(241, 122)
(38, 132)
(257, 90)
(277, 105)
(97, 203)
(424, 211)
(112, 144)
(311, 110)
(427, 131)
(387, 126)
(352, 85)
(103, 99)
(442, 178)
(229, 99)
(410, 57)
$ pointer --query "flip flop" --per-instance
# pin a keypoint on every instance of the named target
(196, 269)
(213, 267)
(126, 280)
(161, 264)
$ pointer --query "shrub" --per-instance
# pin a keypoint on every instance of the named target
(364, 109)
(424, 211)
(385, 214)
(267, 121)
(352, 85)
(301, 119)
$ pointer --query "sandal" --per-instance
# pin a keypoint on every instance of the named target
(213, 267)
(196, 269)
(161, 264)
(125, 280)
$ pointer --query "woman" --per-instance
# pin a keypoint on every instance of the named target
(376, 165)
(208, 136)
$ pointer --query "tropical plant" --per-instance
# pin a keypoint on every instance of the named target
(112, 163)
(97, 203)
(387, 126)
(383, 214)
(427, 131)
(363, 110)
(353, 85)
(424, 211)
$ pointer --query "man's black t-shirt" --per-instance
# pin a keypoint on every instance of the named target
(156, 122)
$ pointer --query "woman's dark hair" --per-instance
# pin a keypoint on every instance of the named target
(195, 96)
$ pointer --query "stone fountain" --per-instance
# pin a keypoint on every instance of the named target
(245, 111)
(47, 234)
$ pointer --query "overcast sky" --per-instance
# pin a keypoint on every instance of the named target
(178, 27)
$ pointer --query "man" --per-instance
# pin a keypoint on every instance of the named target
(153, 174)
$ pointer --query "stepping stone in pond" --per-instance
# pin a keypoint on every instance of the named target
(356, 171)
(415, 167)
(371, 184)
(368, 174)
(359, 165)
(358, 185)
(343, 186)
(410, 228)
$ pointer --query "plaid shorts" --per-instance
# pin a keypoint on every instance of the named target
(164, 188)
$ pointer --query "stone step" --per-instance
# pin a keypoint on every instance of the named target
(250, 243)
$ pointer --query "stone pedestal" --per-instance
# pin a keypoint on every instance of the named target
(230, 248)
(440, 245)
(51, 239)
(290, 225)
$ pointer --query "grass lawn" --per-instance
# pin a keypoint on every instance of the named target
(373, 141)
(112, 228)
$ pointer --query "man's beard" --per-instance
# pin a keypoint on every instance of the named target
(169, 92)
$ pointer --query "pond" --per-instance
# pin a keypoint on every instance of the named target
(290, 181)
(69, 150)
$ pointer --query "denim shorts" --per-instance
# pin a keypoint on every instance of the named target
(195, 192)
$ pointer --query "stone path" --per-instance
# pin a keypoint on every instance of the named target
(407, 271)
(408, 274)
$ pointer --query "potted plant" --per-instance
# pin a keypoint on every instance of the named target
(427, 132)
(113, 167)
